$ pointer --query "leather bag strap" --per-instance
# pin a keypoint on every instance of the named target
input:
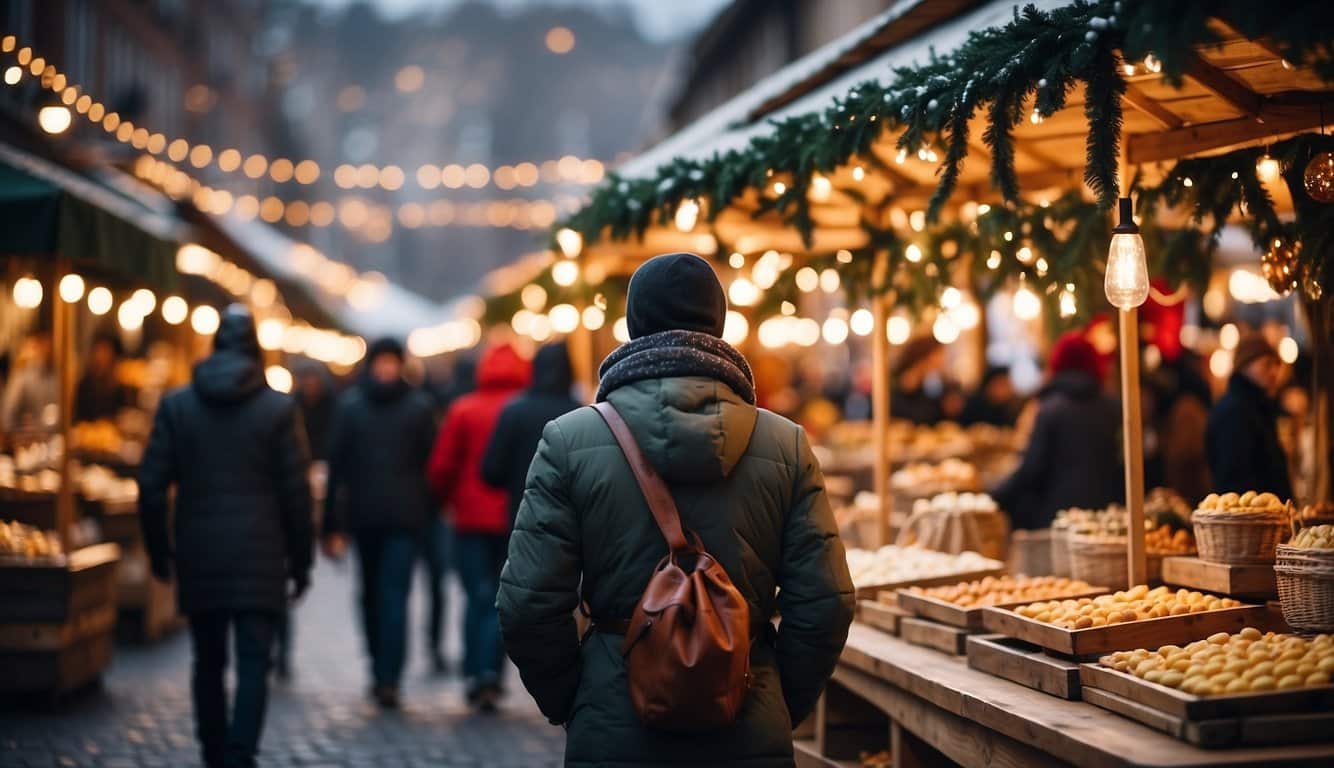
(655, 491)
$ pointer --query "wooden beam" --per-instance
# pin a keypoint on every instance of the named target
(1160, 114)
(1194, 139)
(1224, 86)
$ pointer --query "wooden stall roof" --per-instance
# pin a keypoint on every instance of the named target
(1235, 94)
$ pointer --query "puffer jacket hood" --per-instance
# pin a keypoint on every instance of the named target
(693, 429)
(501, 367)
(552, 374)
(233, 372)
(1077, 385)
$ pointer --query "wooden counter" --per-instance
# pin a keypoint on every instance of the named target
(939, 708)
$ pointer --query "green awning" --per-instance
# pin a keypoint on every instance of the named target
(46, 210)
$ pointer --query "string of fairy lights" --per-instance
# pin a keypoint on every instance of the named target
(255, 166)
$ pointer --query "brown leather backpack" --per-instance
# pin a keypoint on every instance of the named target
(687, 646)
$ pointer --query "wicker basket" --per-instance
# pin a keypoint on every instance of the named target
(1238, 537)
(1060, 551)
(1030, 552)
(1103, 560)
(1306, 587)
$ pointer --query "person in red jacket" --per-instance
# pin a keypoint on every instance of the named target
(479, 512)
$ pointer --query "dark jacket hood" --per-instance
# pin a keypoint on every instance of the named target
(1076, 385)
(1240, 386)
(501, 367)
(381, 392)
(552, 374)
(692, 429)
(233, 372)
(227, 376)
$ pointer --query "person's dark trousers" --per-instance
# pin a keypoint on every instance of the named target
(282, 646)
(387, 557)
(436, 554)
(479, 558)
(231, 743)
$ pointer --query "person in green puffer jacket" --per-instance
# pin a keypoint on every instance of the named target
(744, 479)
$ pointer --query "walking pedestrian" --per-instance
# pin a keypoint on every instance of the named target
(519, 429)
(478, 513)
(236, 453)
(743, 479)
(1242, 436)
(1073, 456)
(377, 496)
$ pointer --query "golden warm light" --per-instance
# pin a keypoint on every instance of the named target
(560, 40)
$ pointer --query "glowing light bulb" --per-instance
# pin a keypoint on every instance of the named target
(620, 330)
(1068, 305)
(1127, 279)
(830, 281)
(129, 316)
(54, 119)
(820, 188)
(735, 328)
(807, 279)
(898, 329)
(950, 298)
(1026, 304)
(944, 329)
(687, 215)
(27, 293)
(569, 242)
(174, 310)
(534, 297)
(278, 378)
(71, 288)
(1288, 351)
(145, 300)
(913, 253)
(743, 292)
(204, 320)
(1267, 168)
(834, 330)
(565, 273)
(99, 301)
(862, 322)
(564, 318)
(1229, 336)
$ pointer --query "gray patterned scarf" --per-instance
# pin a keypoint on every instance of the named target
(676, 353)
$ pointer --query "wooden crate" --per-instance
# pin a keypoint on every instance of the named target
(57, 621)
(886, 591)
(882, 616)
(1253, 581)
(1116, 637)
(1244, 719)
(1025, 664)
(934, 635)
(966, 618)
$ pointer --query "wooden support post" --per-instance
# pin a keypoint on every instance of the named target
(580, 343)
(1132, 432)
(63, 355)
(880, 385)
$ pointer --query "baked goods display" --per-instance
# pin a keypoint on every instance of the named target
(27, 542)
(1315, 537)
(1004, 590)
(1134, 604)
(1165, 541)
(893, 564)
(1248, 503)
(923, 479)
(1246, 662)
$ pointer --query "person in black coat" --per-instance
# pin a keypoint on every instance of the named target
(919, 359)
(519, 429)
(99, 395)
(236, 452)
(994, 402)
(1242, 437)
(377, 493)
(1073, 457)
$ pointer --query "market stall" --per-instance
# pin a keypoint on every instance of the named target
(846, 171)
(68, 238)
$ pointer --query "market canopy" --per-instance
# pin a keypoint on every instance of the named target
(47, 210)
(1052, 98)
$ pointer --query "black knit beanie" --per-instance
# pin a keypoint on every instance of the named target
(675, 292)
(386, 345)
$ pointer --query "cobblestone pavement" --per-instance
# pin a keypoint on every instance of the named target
(141, 715)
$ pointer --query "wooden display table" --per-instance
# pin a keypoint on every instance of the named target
(931, 709)
(57, 621)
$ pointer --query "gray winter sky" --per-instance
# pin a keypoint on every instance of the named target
(658, 19)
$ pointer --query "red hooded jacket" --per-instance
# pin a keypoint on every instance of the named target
(455, 468)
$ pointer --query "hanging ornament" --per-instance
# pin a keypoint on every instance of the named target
(1319, 178)
(1279, 265)
(1311, 282)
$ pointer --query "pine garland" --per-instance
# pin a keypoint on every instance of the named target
(1038, 57)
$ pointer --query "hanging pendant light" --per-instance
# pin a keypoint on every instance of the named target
(1127, 280)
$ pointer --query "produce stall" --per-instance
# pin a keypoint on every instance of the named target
(1103, 141)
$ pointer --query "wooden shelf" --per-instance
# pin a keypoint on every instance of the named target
(1257, 581)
